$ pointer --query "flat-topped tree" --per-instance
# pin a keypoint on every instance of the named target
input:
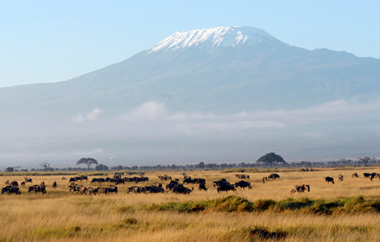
(270, 158)
(87, 161)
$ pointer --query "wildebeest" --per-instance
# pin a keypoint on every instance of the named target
(171, 185)
(301, 188)
(329, 179)
(136, 189)
(182, 190)
(22, 183)
(243, 184)
(36, 188)
(340, 177)
(354, 175)
(366, 174)
(242, 176)
(194, 181)
(157, 184)
(373, 175)
(54, 184)
(91, 190)
(112, 189)
(153, 189)
(99, 180)
(273, 176)
(164, 178)
(224, 185)
(10, 189)
(14, 183)
(226, 188)
(28, 179)
(202, 186)
(265, 179)
(83, 190)
(220, 182)
(74, 188)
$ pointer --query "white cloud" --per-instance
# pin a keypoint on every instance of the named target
(147, 111)
(157, 115)
(89, 116)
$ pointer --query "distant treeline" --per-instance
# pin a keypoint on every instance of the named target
(202, 165)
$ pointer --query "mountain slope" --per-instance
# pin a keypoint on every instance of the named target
(225, 69)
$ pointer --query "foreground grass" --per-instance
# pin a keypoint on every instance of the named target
(346, 211)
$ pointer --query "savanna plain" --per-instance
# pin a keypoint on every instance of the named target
(348, 210)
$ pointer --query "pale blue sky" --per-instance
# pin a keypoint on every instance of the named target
(49, 41)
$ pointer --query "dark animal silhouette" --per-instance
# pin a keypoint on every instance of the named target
(300, 188)
(329, 179)
(10, 189)
(273, 176)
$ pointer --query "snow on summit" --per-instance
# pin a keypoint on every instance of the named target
(213, 37)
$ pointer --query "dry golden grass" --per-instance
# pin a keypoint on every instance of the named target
(62, 216)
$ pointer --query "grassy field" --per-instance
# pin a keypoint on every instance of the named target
(345, 211)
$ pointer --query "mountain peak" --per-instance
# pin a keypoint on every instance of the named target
(213, 37)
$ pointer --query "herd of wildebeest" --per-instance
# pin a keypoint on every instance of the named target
(174, 185)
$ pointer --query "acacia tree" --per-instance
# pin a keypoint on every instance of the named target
(367, 160)
(87, 161)
(45, 165)
(270, 158)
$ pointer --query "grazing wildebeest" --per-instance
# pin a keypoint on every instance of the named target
(84, 177)
(373, 175)
(242, 176)
(116, 176)
(221, 181)
(366, 174)
(273, 176)
(153, 189)
(54, 184)
(226, 187)
(112, 189)
(329, 179)
(22, 183)
(202, 186)
(83, 190)
(119, 181)
(72, 179)
(354, 175)
(74, 188)
(36, 188)
(99, 180)
(10, 189)
(301, 188)
(136, 189)
(182, 190)
(14, 184)
(243, 184)
(340, 177)
(157, 184)
(91, 190)
(171, 185)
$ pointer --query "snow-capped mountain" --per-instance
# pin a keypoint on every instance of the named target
(213, 37)
(228, 76)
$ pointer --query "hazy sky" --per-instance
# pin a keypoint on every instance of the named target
(49, 41)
